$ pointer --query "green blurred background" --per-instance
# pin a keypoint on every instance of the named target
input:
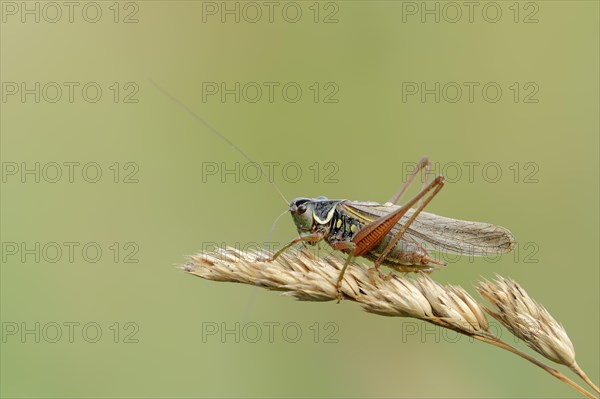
(369, 53)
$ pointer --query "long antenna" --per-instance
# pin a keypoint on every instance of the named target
(216, 133)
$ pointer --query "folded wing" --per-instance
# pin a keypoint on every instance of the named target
(439, 233)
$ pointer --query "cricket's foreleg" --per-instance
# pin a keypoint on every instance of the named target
(311, 237)
(423, 200)
(423, 164)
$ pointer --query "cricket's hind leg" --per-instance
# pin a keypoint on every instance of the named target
(371, 234)
(436, 185)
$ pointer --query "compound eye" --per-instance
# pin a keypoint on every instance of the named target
(301, 209)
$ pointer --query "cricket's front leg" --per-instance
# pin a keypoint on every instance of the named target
(313, 237)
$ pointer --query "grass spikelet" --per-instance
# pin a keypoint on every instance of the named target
(310, 278)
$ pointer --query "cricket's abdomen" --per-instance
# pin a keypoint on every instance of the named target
(404, 257)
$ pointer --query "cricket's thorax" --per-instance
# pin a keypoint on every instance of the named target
(323, 211)
(313, 215)
(342, 227)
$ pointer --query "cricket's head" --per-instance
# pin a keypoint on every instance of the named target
(302, 213)
(311, 214)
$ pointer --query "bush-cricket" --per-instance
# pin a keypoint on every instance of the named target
(390, 234)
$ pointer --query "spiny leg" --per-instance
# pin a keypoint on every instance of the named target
(423, 164)
(338, 284)
(339, 246)
(437, 184)
(424, 181)
(372, 233)
(314, 237)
